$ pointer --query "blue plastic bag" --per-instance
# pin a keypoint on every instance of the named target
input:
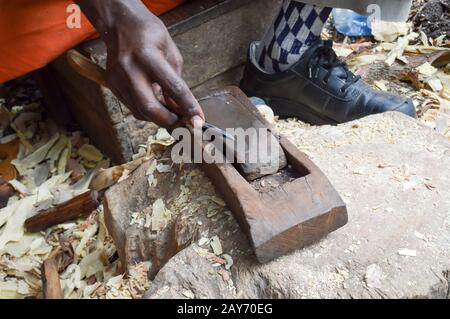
(351, 23)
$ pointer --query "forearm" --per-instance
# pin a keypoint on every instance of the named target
(105, 15)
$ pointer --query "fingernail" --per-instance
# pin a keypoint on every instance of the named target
(197, 122)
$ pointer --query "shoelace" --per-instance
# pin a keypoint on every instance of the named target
(326, 57)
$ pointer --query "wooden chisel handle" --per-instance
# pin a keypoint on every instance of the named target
(80, 206)
(8, 152)
(86, 67)
(51, 285)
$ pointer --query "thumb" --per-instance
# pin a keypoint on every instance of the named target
(197, 122)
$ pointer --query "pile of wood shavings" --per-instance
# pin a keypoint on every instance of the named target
(53, 166)
(408, 63)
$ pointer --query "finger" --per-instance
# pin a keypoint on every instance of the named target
(159, 94)
(148, 106)
(125, 97)
(195, 121)
(175, 87)
(166, 100)
(175, 58)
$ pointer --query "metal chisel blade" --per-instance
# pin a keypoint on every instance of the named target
(218, 131)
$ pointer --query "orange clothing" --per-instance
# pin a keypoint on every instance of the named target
(35, 32)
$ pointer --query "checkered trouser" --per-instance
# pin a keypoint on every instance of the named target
(295, 28)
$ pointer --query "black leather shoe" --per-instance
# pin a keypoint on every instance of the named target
(319, 89)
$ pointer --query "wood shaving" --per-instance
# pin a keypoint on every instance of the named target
(160, 215)
(419, 235)
(44, 180)
(32, 160)
(90, 153)
(427, 69)
(216, 246)
(407, 252)
(398, 50)
(229, 261)
(188, 294)
(385, 31)
(203, 241)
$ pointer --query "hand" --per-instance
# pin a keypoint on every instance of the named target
(144, 65)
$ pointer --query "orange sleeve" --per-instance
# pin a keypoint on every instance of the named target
(35, 32)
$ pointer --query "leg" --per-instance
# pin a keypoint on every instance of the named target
(299, 75)
(295, 28)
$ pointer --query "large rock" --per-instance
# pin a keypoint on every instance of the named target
(394, 175)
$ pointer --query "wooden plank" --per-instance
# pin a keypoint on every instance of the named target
(193, 13)
(95, 108)
(179, 20)
(77, 207)
(55, 103)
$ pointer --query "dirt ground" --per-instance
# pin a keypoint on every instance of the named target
(432, 17)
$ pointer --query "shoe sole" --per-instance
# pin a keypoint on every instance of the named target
(286, 109)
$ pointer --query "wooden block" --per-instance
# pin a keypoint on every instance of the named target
(54, 101)
(225, 111)
(282, 212)
(279, 213)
